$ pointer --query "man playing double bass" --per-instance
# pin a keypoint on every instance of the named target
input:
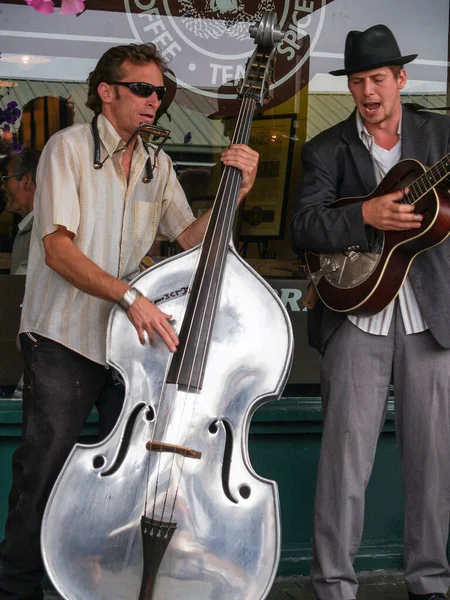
(409, 340)
(92, 227)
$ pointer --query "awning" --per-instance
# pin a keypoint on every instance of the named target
(325, 110)
(191, 131)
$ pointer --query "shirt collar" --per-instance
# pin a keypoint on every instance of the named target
(112, 141)
(362, 129)
(24, 222)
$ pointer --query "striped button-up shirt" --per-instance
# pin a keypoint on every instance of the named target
(114, 222)
(379, 324)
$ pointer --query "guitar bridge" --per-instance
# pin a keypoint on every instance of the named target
(327, 266)
(351, 255)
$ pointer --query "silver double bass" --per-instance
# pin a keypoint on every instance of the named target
(168, 506)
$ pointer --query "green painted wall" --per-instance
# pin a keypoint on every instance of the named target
(284, 446)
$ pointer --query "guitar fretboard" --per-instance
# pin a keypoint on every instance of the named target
(426, 182)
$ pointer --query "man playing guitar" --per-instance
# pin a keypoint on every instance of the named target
(408, 340)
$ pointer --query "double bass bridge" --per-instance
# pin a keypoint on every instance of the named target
(173, 449)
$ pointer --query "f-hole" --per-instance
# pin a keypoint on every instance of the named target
(227, 456)
(123, 450)
(150, 414)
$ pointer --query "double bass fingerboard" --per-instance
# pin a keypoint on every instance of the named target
(188, 363)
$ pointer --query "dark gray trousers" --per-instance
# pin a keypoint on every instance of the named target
(356, 372)
(60, 389)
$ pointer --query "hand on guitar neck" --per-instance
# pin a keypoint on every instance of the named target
(388, 213)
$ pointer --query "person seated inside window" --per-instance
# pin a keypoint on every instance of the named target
(18, 184)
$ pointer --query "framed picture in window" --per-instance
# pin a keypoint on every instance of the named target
(264, 212)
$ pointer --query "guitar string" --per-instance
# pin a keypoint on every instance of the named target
(194, 363)
(424, 178)
(406, 198)
(415, 186)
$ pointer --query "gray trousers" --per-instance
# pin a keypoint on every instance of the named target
(356, 372)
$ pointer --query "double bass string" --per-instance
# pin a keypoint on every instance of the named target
(225, 231)
(234, 177)
(228, 208)
(171, 401)
(242, 133)
(226, 175)
(231, 180)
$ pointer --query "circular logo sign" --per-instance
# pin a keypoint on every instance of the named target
(207, 42)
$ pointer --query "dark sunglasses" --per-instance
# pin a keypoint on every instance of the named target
(143, 90)
(4, 178)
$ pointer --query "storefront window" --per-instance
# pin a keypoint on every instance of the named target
(46, 59)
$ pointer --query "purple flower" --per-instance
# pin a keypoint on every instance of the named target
(16, 145)
(10, 114)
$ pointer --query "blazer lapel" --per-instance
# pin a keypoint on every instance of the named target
(360, 156)
(415, 142)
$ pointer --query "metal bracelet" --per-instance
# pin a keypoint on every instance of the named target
(129, 298)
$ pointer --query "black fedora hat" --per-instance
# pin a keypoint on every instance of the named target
(370, 49)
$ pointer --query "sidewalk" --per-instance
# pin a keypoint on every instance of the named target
(374, 585)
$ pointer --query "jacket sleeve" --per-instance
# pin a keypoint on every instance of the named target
(317, 225)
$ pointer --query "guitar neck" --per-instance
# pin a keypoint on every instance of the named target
(429, 180)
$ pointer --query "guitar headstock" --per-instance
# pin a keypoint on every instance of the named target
(259, 71)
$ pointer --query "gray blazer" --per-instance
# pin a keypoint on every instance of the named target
(336, 164)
